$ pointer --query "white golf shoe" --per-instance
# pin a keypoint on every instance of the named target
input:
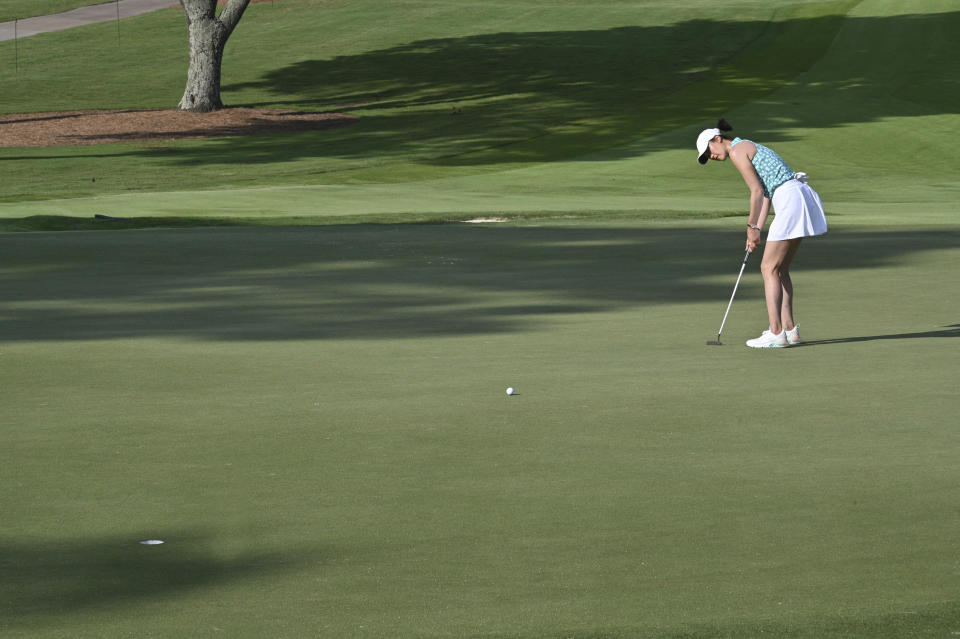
(769, 340)
(793, 336)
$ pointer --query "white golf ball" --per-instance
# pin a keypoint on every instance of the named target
(510, 391)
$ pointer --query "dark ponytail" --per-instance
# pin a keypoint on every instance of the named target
(724, 126)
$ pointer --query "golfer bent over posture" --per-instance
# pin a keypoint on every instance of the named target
(798, 214)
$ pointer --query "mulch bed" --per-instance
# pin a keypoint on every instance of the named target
(77, 128)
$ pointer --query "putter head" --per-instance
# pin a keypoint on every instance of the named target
(714, 342)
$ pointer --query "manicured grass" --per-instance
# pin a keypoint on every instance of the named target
(314, 420)
(313, 417)
(574, 128)
(559, 82)
(10, 9)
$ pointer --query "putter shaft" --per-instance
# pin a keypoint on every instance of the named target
(732, 295)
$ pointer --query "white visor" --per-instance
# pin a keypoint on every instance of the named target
(703, 144)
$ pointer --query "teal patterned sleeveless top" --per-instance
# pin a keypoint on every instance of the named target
(771, 168)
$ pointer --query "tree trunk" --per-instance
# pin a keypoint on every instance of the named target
(208, 35)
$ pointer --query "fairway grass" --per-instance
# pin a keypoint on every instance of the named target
(314, 420)
(576, 152)
(560, 82)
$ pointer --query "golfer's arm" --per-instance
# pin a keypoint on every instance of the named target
(758, 208)
(764, 212)
(758, 203)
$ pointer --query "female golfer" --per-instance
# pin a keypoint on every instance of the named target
(798, 214)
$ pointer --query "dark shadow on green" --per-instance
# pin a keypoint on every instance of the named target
(949, 331)
(100, 222)
(45, 580)
(401, 281)
(47, 223)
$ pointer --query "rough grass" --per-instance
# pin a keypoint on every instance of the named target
(11, 9)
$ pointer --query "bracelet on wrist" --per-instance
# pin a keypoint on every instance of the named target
(753, 226)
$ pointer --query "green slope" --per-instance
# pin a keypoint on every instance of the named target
(534, 83)
(565, 109)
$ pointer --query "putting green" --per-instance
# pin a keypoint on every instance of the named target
(313, 418)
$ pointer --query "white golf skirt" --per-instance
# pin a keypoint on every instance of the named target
(799, 212)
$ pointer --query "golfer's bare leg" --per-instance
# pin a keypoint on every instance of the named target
(777, 256)
(786, 287)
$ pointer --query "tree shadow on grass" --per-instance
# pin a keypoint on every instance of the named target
(45, 580)
(402, 281)
(536, 96)
(486, 100)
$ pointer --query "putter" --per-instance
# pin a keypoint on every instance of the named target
(717, 341)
